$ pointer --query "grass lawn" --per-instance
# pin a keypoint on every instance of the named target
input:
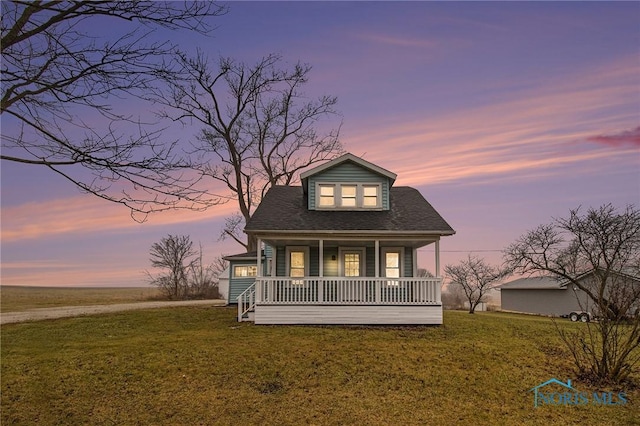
(191, 366)
(19, 298)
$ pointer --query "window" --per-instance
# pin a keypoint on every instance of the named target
(352, 264)
(245, 271)
(326, 195)
(392, 264)
(298, 263)
(370, 196)
(348, 195)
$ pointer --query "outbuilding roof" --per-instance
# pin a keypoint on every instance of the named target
(284, 208)
(252, 255)
(552, 283)
(534, 283)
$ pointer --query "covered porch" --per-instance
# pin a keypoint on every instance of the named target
(353, 280)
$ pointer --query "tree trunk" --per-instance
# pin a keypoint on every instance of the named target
(252, 244)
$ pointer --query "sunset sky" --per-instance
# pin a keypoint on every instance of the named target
(504, 116)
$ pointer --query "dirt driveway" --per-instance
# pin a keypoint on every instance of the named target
(74, 311)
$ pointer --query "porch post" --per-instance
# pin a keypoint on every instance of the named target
(414, 260)
(320, 271)
(274, 261)
(438, 258)
(378, 285)
(259, 271)
(377, 258)
(321, 258)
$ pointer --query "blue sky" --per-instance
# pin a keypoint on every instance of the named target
(504, 115)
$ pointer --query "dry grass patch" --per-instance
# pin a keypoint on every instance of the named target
(21, 298)
(199, 366)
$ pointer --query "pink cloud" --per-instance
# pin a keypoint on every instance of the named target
(50, 274)
(88, 214)
(523, 135)
(626, 138)
(398, 41)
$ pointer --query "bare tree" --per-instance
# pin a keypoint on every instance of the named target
(203, 279)
(173, 254)
(425, 273)
(597, 252)
(603, 242)
(476, 278)
(219, 265)
(258, 129)
(59, 78)
(453, 297)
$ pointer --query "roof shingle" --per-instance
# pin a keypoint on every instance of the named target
(285, 208)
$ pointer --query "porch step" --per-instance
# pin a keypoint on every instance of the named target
(249, 316)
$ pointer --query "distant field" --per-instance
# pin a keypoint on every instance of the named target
(198, 366)
(21, 298)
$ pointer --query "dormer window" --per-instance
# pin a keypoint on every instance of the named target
(371, 196)
(327, 196)
(348, 196)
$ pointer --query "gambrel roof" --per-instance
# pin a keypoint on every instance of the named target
(284, 208)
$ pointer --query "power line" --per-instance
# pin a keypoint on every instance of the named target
(462, 251)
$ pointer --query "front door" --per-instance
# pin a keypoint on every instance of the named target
(352, 263)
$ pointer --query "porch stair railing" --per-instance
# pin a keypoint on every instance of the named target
(246, 303)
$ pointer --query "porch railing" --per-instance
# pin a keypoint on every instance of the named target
(246, 302)
(348, 291)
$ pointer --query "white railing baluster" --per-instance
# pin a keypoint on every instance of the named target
(344, 291)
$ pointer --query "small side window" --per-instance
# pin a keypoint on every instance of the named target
(241, 271)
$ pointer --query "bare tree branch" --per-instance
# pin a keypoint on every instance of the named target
(476, 278)
(259, 129)
(59, 79)
(173, 254)
(602, 241)
(597, 252)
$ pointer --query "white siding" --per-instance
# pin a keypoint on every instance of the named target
(223, 284)
(365, 315)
